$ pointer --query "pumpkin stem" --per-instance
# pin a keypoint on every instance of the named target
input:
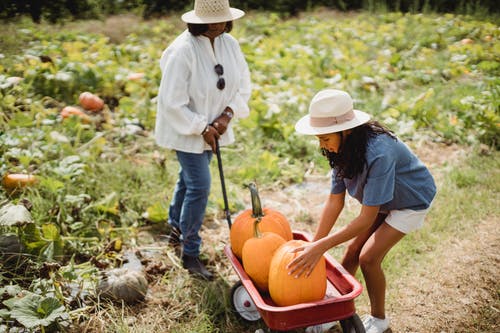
(256, 231)
(256, 205)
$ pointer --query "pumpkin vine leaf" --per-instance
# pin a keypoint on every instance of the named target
(14, 216)
(33, 310)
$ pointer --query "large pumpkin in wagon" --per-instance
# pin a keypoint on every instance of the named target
(286, 289)
(270, 221)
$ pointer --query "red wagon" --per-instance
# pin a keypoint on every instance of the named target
(337, 305)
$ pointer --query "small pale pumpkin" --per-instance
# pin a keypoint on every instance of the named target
(257, 254)
(135, 76)
(288, 290)
(123, 284)
(270, 221)
(69, 111)
(90, 102)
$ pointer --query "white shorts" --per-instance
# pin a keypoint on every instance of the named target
(406, 220)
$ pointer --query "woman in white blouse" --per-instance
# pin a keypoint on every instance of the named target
(205, 85)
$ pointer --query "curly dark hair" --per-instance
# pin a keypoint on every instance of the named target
(199, 29)
(351, 157)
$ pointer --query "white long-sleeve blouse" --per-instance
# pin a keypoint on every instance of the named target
(188, 97)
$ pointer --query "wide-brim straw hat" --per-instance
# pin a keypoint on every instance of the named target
(331, 111)
(212, 11)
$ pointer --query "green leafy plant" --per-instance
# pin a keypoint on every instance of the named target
(35, 311)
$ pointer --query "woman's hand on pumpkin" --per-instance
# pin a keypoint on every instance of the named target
(211, 135)
(305, 262)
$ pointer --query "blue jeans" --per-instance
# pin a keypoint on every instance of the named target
(190, 198)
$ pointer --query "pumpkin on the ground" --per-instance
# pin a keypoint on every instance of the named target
(12, 181)
(270, 221)
(288, 290)
(90, 102)
(135, 76)
(69, 111)
(123, 284)
(257, 254)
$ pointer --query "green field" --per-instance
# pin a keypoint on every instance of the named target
(428, 77)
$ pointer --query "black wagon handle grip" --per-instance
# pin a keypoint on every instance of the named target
(223, 184)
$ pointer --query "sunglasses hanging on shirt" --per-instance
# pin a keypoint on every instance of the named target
(219, 70)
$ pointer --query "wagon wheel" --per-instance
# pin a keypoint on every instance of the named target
(352, 324)
(243, 304)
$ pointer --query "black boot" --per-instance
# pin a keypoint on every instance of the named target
(196, 267)
(174, 238)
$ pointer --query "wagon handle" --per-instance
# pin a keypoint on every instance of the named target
(223, 184)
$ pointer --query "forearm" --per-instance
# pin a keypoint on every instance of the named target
(331, 212)
(173, 99)
(358, 225)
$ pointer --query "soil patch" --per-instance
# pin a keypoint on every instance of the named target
(456, 291)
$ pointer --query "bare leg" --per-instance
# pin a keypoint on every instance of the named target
(350, 261)
(370, 260)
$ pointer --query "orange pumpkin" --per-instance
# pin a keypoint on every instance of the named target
(90, 101)
(466, 41)
(270, 221)
(69, 111)
(13, 181)
(257, 254)
(288, 290)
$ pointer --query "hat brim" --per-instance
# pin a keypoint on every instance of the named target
(191, 17)
(303, 126)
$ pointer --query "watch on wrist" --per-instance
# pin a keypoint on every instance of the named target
(229, 114)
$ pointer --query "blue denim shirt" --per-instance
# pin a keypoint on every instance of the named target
(393, 178)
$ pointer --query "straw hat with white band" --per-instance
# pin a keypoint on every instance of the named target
(330, 111)
(212, 11)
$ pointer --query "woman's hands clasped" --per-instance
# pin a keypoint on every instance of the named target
(211, 135)
(218, 127)
(222, 122)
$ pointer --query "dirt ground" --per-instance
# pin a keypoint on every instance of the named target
(459, 293)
